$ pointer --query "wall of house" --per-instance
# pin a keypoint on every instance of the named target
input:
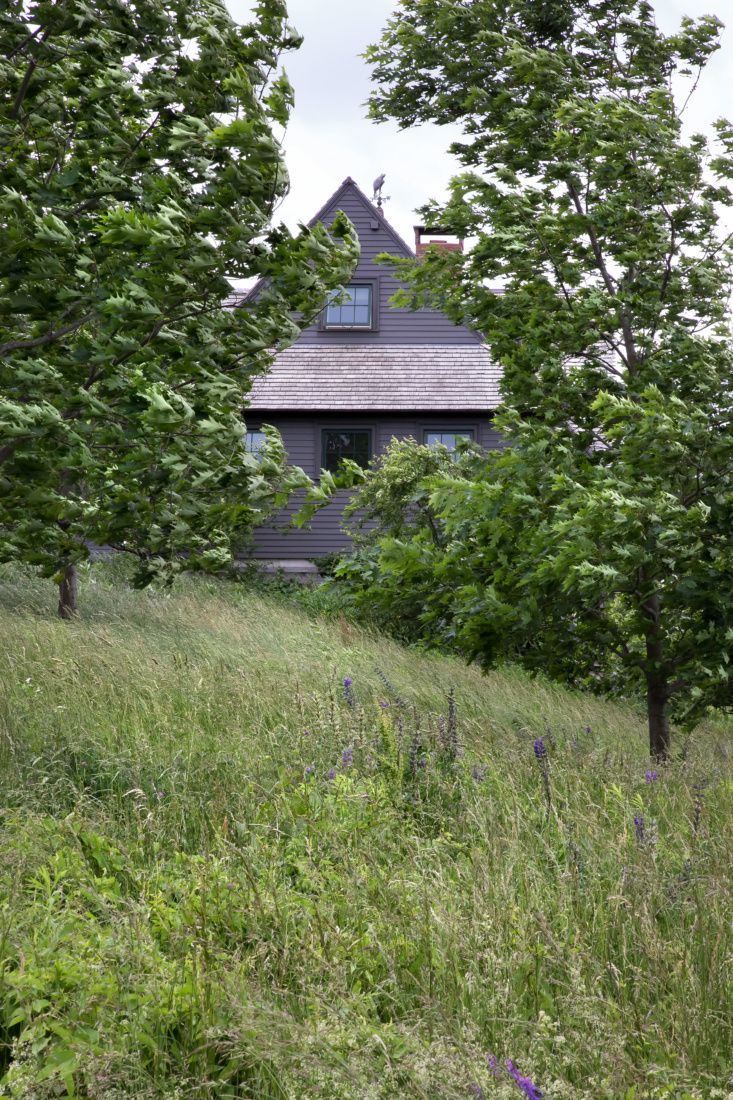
(302, 436)
(395, 326)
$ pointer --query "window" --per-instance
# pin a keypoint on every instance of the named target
(447, 439)
(351, 308)
(339, 443)
(254, 442)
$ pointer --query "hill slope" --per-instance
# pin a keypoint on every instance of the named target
(223, 873)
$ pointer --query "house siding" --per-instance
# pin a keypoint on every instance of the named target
(302, 437)
(395, 326)
(412, 371)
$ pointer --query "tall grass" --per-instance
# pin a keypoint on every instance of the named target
(223, 874)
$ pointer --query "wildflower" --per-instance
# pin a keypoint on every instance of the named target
(331, 773)
(384, 704)
(540, 751)
(309, 770)
(639, 827)
(493, 1064)
(476, 1091)
(698, 791)
(348, 693)
(347, 756)
(527, 1086)
(588, 729)
(650, 777)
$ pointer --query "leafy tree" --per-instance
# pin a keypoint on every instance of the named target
(141, 169)
(598, 547)
(398, 538)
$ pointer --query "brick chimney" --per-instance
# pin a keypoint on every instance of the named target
(436, 236)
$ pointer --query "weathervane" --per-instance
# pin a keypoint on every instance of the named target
(378, 197)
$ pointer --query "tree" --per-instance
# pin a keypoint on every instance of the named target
(598, 546)
(397, 537)
(141, 170)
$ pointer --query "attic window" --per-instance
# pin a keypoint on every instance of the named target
(351, 308)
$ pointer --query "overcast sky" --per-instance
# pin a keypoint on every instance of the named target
(329, 136)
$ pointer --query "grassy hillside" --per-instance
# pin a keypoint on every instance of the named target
(223, 874)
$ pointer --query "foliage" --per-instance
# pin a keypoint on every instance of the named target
(603, 536)
(219, 879)
(389, 577)
(141, 170)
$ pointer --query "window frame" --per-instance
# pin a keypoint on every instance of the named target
(373, 283)
(344, 428)
(254, 431)
(469, 432)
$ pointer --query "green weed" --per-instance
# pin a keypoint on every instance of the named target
(224, 875)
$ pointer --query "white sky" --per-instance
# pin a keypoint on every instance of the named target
(329, 136)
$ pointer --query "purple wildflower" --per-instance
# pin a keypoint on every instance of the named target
(639, 827)
(348, 693)
(331, 773)
(650, 777)
(588, 729)
(309, 770)
(540, 751)
(493, 1063)
(476, 1090)
(347, 756)
(384, 704)
(527, 1086)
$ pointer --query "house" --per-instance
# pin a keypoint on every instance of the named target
(364, 373)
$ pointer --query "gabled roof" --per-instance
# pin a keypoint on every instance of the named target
(424, 377)
(374, 211)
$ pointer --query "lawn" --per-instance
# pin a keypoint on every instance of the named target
(246, 851)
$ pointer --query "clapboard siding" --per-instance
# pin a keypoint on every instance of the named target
(302, 437)
(396, 326)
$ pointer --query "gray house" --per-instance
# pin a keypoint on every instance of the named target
(365, 373)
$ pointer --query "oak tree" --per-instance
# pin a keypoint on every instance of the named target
(598, 546)
(140, 147)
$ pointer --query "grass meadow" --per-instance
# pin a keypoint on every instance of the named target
(246, 851)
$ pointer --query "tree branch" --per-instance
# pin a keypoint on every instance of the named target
(25, 83)
(47, 338)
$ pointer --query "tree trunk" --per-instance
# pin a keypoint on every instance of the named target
(656, 705)
(68, 587)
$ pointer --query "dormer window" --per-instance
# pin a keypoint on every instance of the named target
(351, 308)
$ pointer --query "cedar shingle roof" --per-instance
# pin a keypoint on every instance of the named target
(363, 376)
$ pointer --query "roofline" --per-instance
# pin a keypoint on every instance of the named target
(389, 410)
(318, 216)
(349, 182)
